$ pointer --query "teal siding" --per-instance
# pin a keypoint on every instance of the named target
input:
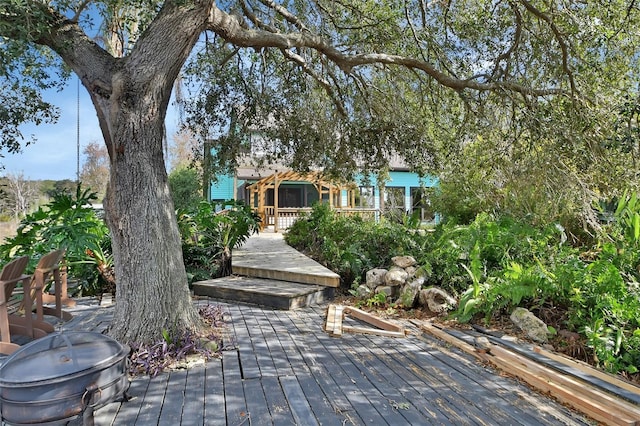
(406, 180)
(223, 189)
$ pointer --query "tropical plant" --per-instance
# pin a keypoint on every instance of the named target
(212, 231)
(67, 221)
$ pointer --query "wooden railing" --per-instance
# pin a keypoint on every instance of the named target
(283, 217)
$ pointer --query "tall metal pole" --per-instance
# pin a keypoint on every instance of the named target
(78, 135)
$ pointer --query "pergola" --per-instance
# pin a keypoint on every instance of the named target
(324, 186)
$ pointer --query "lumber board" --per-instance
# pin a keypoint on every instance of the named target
(330, 321)
(335, 327)
(372, 319)
(572, 367)
(575, 393)
(442, 335)
(589, 375)
(588, 369)
(385, 333)
(337, 321)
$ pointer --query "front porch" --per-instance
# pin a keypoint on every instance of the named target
(282, 197)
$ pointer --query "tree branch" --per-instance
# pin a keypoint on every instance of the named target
(326, 85)
(228, 28)
(559, 38)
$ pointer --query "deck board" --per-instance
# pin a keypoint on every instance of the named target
(235, 404)
(214, 403)
(281, 368)
(193, 408)
(171, 413)
(276, 401)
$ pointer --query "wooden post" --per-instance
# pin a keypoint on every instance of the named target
(275, 201)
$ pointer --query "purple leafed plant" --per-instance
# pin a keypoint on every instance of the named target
(153, 359)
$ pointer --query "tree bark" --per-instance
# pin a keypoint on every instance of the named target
(152, 286)
(131, 96)
(153, 294)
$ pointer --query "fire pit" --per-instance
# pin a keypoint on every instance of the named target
(62, 376)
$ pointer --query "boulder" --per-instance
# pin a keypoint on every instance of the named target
(375, 277)
(436, 300)
(533, 327)
(363, 291)
(411, 271)
(409, 293)
(396, 276)
(388, 290)
(403, 261)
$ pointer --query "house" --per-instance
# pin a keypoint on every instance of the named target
(279, 194)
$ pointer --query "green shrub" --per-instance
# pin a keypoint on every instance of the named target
(186, 188)
(209, 234)
(350, 245)
(495, 264)
(69, 222)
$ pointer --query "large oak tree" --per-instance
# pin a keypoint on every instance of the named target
(337, 82)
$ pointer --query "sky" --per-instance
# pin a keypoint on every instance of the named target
(54, 154)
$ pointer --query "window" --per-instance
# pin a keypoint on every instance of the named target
(421, 203)
(394, 197)
(365, 197)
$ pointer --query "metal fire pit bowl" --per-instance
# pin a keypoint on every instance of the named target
(61, 376)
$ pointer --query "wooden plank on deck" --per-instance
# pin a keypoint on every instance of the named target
(256, 402)
(248, 360)
(298, 403)
(194, 396)
(171, 413)
(130, 410)
(153, 400)
(276, 401)
(235, 403)
(214, 406)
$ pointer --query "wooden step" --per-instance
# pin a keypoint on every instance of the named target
(268, 256)
(264, 292)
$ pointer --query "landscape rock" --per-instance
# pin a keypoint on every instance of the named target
(395, 276)
(409, 293)
(388, 290)
(375, 277)
(363, 291)
(436, 300)
(403, 261)
(411, 271)
(532, 326)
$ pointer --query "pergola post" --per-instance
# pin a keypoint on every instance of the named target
(276, 184)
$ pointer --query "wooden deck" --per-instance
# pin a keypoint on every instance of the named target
(281, 368)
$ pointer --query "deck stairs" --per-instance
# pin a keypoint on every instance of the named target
(268, 272)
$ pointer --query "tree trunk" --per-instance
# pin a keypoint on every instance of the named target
(131, 96)
(152, 283)
(225, 263)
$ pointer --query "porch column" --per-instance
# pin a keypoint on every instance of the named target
(275, 201)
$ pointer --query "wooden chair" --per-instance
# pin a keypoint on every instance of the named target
(35, 327)
(49, 267)
(12, 273)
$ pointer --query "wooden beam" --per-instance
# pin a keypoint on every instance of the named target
(372, 319)
(335, 327)
(378, 332)
(443, 335)
(576, 393)
(588, 369)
